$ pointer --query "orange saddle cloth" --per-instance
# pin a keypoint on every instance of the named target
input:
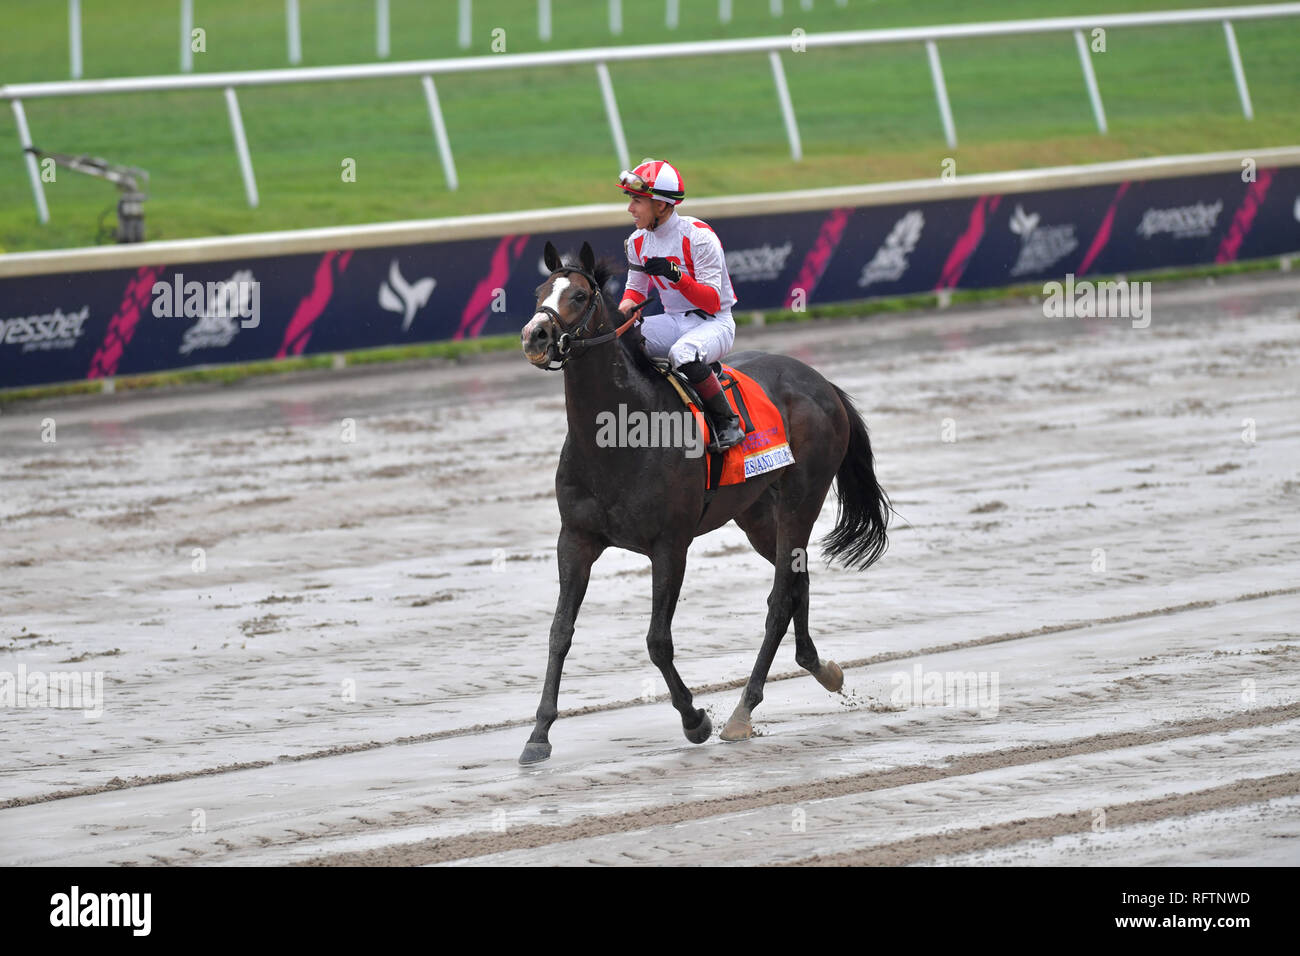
(765, 447)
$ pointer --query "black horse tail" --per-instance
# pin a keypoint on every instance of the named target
(859, 533)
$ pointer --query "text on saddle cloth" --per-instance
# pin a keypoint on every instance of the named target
(765, 448)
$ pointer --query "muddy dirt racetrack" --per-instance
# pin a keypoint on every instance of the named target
(346, 672)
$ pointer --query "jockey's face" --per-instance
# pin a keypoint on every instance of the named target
(644, 210)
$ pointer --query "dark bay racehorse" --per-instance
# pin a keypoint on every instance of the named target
(652, 500)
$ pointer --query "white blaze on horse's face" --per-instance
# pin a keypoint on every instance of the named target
(557, 290)
(529, 334)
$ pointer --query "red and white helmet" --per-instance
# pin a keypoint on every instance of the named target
(654, 179)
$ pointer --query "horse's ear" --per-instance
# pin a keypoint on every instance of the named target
(551, 257)
(587, 257)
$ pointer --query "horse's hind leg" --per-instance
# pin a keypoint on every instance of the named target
(760, 528)
(784, 542)
(828, 673)
(669, 565)
(776, 539)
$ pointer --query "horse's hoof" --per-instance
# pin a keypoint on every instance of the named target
(535, 752)
(702, 731)
(830, 676)
(739, 726)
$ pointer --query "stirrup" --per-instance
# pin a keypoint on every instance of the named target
(715, 445)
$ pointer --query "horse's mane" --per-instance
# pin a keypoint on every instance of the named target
(633, 341)
(607, 268)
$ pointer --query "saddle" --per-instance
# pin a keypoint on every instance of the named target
(679, 381)
(765, 447)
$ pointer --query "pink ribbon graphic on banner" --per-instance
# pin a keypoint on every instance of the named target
(1245, 217)
(1103, 232)
(504, 257)
(121, 328)
(819, 257)
(310, 308)
(967, 242)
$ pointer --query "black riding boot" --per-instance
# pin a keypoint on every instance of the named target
(725, 422)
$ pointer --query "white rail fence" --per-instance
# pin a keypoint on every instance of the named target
(600, 57)
(176, 252)
(383, 31)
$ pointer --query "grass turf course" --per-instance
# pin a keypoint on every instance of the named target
(530, 139)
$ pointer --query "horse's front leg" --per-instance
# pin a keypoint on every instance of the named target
(576, 553)
(669, 565)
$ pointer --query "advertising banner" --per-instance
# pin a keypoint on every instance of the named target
(93, 324)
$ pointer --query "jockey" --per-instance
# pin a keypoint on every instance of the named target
(683, 259)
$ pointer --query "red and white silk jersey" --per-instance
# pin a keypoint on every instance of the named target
(695, 247)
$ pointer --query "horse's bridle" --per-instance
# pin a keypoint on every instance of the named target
(563, 345)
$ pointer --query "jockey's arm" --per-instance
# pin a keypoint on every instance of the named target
(698, 294)
(638, 284)
(704, 289)
(631, 299)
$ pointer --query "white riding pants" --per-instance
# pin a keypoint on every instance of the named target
(684, 337)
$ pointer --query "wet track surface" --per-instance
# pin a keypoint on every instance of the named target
(352, 672)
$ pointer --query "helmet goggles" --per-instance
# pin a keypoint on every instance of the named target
(634, 183)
